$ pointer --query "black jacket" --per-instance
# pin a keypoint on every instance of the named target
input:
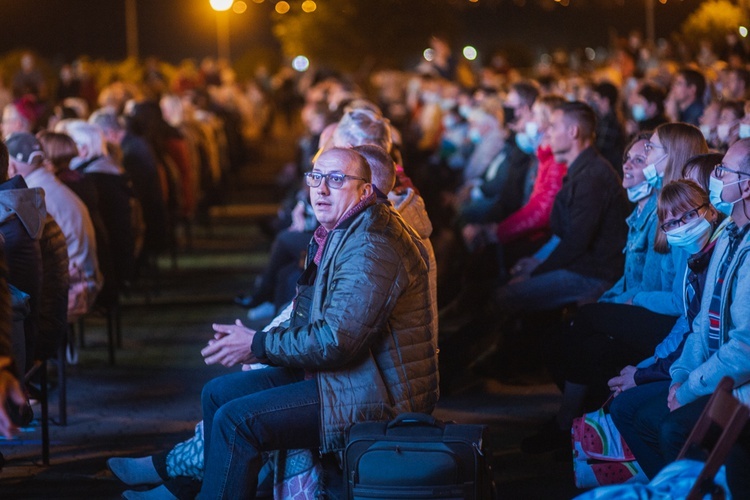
(589, 218)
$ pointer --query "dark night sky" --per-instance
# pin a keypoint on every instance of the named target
(175, 29)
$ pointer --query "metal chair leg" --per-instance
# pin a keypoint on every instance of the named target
(118, 322)
(111, 335)
(62, 382)
(45, 414)
(80, 332)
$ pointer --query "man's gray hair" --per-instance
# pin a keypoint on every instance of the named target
(106, 120)
(362, 126)
(86, 134)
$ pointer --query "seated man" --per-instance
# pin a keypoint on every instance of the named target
(584, 256)
(358, 346)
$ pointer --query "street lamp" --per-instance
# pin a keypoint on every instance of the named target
(222, 26)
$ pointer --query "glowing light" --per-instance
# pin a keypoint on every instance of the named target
(282, 7)
(301, 63)
(428, 54)
(239, 7)
(663, 2)
(743, 31)
(309, 6)
(221, 5)
(473, 1)
(470, 53)
(590, 53)
(258, 1)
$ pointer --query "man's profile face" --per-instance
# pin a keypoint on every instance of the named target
(558, 134)
(11, 122)
(681, 90)
(330, 204)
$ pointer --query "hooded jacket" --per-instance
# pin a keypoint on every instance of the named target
(22, 214)
(696, 369)
(367, 337)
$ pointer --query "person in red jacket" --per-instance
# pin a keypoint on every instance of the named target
(527, 228)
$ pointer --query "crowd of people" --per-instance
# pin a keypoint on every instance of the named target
(420, 212)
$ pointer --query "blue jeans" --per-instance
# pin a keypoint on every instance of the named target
(250, 412)
(549, 291)
(654, 434)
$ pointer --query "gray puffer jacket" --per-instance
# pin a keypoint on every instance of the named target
(369, 339)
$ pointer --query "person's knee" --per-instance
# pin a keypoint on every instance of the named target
(623, 410)
(209, 392)
(673, 433)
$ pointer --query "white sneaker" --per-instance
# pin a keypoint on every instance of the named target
(263, 311)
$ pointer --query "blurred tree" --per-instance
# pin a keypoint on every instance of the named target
(712, 21)
(347, 34)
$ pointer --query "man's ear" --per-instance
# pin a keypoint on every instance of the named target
(367, 191)
(745, 187)
(574, 131)
(12, 171)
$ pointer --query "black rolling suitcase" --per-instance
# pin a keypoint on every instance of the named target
(416, 456)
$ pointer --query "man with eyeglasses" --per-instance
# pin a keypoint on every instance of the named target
(358, 345)
(720, 343)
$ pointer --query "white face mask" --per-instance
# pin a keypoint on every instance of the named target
(691, 237)
(706, 131)
(722, 132)
(639, 191)
(744, 130)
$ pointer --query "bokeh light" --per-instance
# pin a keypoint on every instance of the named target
(590, 53)
(282, 7)
(428, 54)
(221, 5)
(309, 6)
(239, 7)
(470, 53)
(258, 1)
(301, 63)
(743, 32)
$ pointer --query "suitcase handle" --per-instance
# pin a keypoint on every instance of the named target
(413, 419)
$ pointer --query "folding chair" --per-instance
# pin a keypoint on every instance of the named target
(713, 437)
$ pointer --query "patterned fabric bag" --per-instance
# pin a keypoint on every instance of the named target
(600, 455)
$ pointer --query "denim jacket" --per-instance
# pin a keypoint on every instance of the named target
(649, 277)
(698, 372)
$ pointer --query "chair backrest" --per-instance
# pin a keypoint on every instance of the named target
(715, 433)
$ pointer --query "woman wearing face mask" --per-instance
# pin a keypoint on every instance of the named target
(626, 324)
(692, 225)
(728, 128)
(669, 148)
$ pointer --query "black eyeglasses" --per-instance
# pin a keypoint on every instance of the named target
(334, 180)
(720, 170)
(688, 216)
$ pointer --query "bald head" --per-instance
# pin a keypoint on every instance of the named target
(348, 161)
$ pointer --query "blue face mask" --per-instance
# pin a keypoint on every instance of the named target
(652, 175)
(639, 112)
(639, 191)
(715, 187)
(691, 237)
(528, 141)
(744, 130)
(475, 136)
